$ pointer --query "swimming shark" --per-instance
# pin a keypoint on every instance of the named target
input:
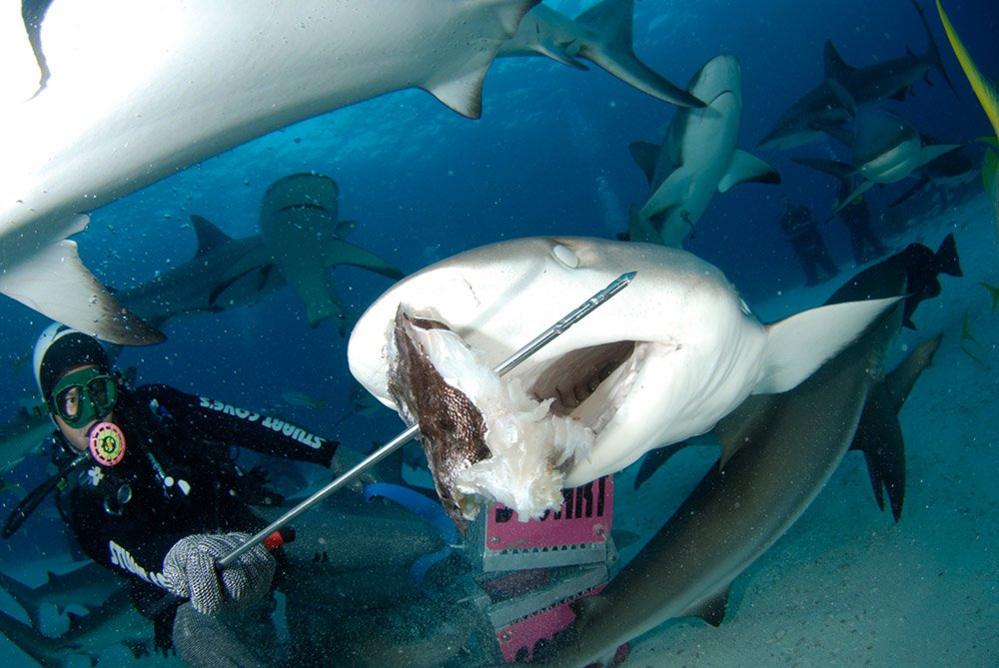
(603, 35)
(89, 586)
(301, 241)
(885, 149)
(804, 120)
(778, 453)
(98, 101)
(23, 435)
(664, 360)
(698, 157)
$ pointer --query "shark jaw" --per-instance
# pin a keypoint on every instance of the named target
(484, 437)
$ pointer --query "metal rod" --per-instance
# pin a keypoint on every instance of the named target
(539, 342)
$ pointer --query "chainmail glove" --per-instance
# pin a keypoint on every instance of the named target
(190, 572)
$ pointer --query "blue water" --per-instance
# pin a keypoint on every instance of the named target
(424, 183)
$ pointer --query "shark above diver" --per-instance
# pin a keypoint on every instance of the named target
(301, 240)
(803, 122)
(99, 101)
(778, 453)
(698, 157)
(664, 360)
(885, 149)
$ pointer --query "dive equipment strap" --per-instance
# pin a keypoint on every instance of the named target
(536, 344)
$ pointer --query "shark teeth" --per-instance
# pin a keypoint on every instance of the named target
(485, 437)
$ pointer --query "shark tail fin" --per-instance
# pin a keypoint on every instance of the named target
(932, 55)
(879, 435)
(611, 20)
(55, 283)
(797, 346)
(985, 90)
(946, 257)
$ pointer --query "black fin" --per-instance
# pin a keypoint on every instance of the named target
(879, 437)
(209, 236)
(835, 66)
(655, 459)
(712, 610)
(946, 256)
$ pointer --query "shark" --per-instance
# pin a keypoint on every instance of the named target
(23, 435)
(301, 240)
(698, 157)
(98, 102)
(778, 452)
(87, 586)
(602, 35)
(885, 149)
(664, 360)
(804, 120)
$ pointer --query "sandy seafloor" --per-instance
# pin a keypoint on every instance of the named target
(846, 586)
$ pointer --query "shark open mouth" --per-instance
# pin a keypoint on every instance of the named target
(488, 438)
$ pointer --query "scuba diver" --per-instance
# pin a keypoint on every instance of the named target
(154, 494)
(856, 216)
(799, 226)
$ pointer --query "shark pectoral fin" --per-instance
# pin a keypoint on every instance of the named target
(843, 96)
(930, 153)
(55, 282)
(209, 236)
(611, 20)
(747, 168)
(855, 194)
(879, 437)
(462, 94)
(670, 193)
(645, 154)
(338, 251)
(712, 609)
(654, 459)
(900, 381)
(557, 52)
(344, 228)
(797, 346)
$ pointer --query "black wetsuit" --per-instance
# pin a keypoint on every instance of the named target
(857, 218)
(177, 478)
(801, 230)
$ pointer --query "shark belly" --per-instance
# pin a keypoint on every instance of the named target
(139, 91)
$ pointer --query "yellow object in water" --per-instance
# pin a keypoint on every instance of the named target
(988, 97)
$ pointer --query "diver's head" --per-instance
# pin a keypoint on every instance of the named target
(74, 377)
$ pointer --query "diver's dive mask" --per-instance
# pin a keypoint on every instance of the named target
(83, 396)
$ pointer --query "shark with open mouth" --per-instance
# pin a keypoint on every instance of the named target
(663, 361)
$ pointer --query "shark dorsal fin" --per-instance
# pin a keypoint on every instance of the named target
(209, 236)
(712, 609)
(835, 66)
(645, 154)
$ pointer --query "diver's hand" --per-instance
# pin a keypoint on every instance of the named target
(190, 571)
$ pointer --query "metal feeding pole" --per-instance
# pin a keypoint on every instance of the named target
(539, 342)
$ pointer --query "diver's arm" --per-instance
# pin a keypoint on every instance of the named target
(215, 421)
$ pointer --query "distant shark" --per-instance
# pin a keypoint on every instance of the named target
(23, 435)
(301, 242)
(698, 157)
(804, 121)
(886, 149)
(664, 360)
(603, 35)
(778, 453)
(88, 587)
(99, 101)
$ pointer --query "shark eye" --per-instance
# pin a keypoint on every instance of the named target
(565, 255)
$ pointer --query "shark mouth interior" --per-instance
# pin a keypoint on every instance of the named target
(495, 439)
